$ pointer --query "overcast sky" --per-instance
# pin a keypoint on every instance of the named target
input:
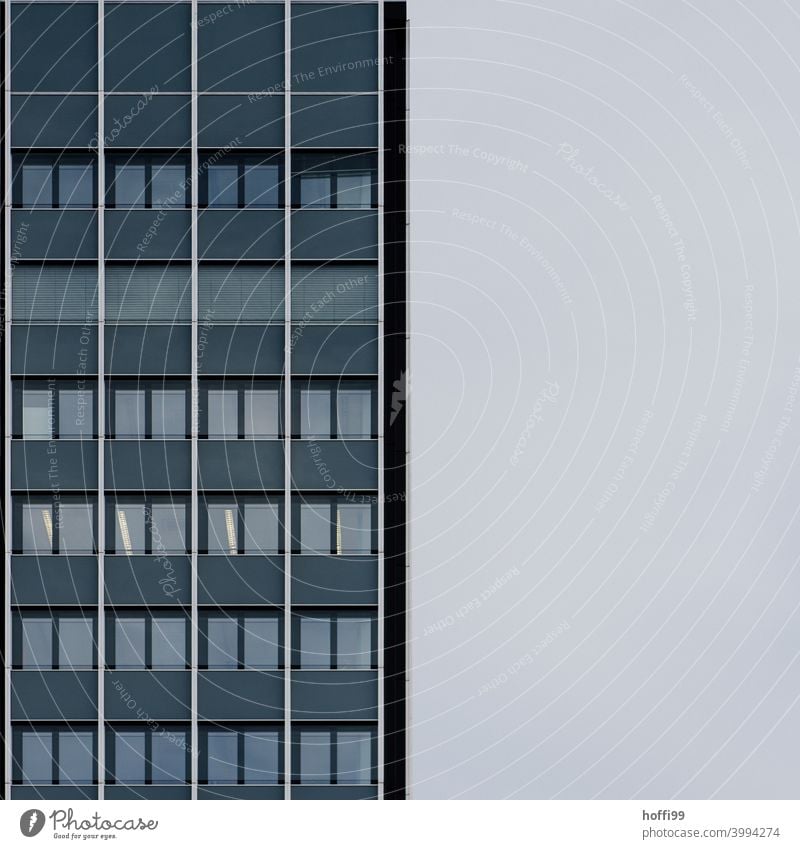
(605, 399)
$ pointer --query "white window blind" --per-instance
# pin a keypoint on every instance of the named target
(146, 292)
(244, 293)
(335, 293)
(54, 293)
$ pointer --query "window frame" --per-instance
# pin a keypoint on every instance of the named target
(148, 160)
(113, 729)
(242, 161)
(333, 616)
(148, 387)
(241, 387)
(149, 616)
(55, 388)
(333, 731)
(240, 503)
(53, 617)
(333, 387)
(147, 501)
(331, 164)
(54, 160)
(54, 501)
(241, 731)
(316, 499)
(238, 615)
(52, 729)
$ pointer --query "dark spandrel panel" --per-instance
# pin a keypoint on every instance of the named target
(240, 234)
(148, 464)
(55, 792)
(334, 47)
(46, 580)
(240, 47)
(159, 579)
(246, 120)
(241, 464)
(148, 349)
(54, 349)
(163, 694)
(242, 579)
(54, 121)
(32, 464)
(241, 350)
(334, 791)
(148, 120)
(148, 47)
(148, 234)
(54, 47)
(54, 233)
(329, 350)
(54, 695)
(335, 121)
(154, 792)
(335, 234)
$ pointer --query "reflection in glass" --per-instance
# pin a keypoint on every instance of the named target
(222, 528)
(36, 414)
(223, 637)
(315, 413)
(169, 757)
(76, 528)
(261, 185)
(75, 757)
(75, 184)
(354, 757)
(353, 529)
(315, 190)
(168, 527)
(315, 643)
(169, 643)
(262, 413)
(223, 187)
(37, 529)
(222, 757)
(37, 185)
(169, 413)
(353, 643)
(129, 413)
(76, 413)
(354, 190)
(261, 642)
(315, 528)
(130, 528)
(168, 186)
(75, 643)
(129, 181)
(262, 529)
(261, 752)
(354, 413)
(129, 757)
(223, 413)
(37, 758)
(315, 757)
(129, 643)
(37, 643)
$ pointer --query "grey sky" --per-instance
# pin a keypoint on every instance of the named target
(605, 399)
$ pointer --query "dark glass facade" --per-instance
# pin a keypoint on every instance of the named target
(204, 415)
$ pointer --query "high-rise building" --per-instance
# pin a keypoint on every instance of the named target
(204, 426)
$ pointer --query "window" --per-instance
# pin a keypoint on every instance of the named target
(238, 182)
(246, 640)
(147, 182)
(44, 641)
(242, 293)
(145, 640)
(335, 409)
(335, 293)
(148, 755)
(247, 410)
(333, 181)
(335, 525)
(53, 292)
(149, 292)
(147, 526)
(148, 410)
(338, 755)
(54, 410)
(54, 754)
(54, 182)
(328, 640)
(62, 526)
(251, 755)
(244, 527)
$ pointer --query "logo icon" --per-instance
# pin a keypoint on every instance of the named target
(31, 822)
(400, 390)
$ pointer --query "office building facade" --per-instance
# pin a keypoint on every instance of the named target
(204, 416)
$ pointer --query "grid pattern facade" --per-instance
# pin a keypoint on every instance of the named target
(204, 411)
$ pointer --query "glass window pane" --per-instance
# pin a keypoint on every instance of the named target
(353, 643)
(37, 643)
(261, 642)
(129, 413)
(129, 643)
(222, 528)
(37, 185)
(261, 757)
(130, 524)
(168, 527)
(37, 759)
(354, 413)
(354, 190)
(315, 413)
(129, 757)
(169, 412)
(169, 757)
(315, 643)
(76, 528)
(261, 528)
(262, 413)
(76, 413)
(129, 185)
(37, 529)
(315, 190)
(75, 643)
(36, 414)
(223, 185)
(223, 760)
(315, 757)
(75, 185)
(261, 185)
(223, 636)
(315, 528)
(354, 757)
(223, 413)
(75, 757)
(354, 529)
(169, 643)
(169, 185)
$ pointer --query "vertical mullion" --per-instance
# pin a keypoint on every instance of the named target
(7, 399)
(101, 406)
(381, 389)
(195, 404)
(287, 397)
